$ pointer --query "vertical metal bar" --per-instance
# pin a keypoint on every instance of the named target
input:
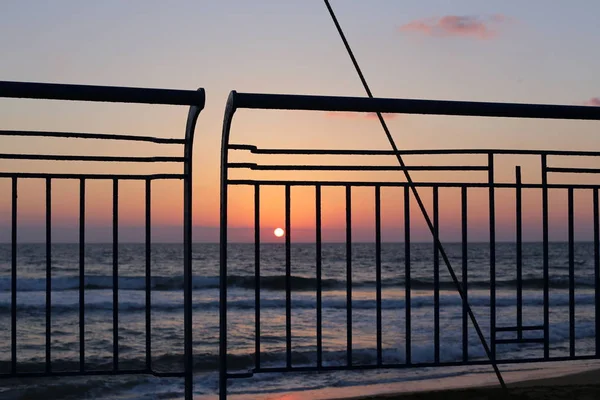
(188, 315)
(48, 271)
(13, 282)
(257, 276)
(571, 275)
(288, 278)
(188, 348)
(545, 261)
(349, 275)
(492, 213)
(407, 278)
(319, 277)
(148, 275)
(597, 270)
(223, 246)
(378, 271)
(436, 277)
(465, 258)
(115, 274)
(82, 274)
(519, 234)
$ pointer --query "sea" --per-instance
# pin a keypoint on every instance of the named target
(167, 317)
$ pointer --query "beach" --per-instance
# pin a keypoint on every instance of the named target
(540, 381)
(569, 380)
(550, 391)
(579, 385)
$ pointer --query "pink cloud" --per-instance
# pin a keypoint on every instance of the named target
(357, 115)
(478, 27)
(594, 101)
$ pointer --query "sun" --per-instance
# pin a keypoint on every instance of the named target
(279, 232)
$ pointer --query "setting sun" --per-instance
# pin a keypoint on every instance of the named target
(278, 232)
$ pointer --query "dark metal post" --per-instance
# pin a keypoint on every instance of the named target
(48, 273)
(378, 271)
(82, 275)
(349, 275)
(13, 282)
(148, 243)
(115, 274)
(436, 277)
(407, 277)
(571, 274)
(257, 276)
(288, 279)
(465, 258)
(545, 261)
(492, 212)
(597, 269)
(318, 262)
(188, 350)
(519, 238)
(227, 120)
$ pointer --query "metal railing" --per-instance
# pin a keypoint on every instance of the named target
(195, 100)
(483, 164)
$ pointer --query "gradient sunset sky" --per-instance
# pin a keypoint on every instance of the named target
(511, 51)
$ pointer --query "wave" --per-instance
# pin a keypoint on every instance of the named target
(99, 303)
(172, 361)
(556, 282)
(276, 283)
(166, 283)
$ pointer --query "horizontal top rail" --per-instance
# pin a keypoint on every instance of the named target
(279, 167)
(410, 106)
(84, 135)
(65, 157)
(439, 184)
(46, 175)
(59, 91)
(350, 152)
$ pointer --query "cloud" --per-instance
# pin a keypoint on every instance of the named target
(479, 27)
(594, 101)
(357, 115)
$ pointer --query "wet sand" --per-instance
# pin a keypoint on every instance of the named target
(581, 386)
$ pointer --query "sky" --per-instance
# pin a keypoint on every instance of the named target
(510, 51)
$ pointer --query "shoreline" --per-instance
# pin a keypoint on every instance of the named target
(583, 384)
(560, 380)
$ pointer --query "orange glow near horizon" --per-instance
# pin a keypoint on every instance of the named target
(308, 130)
(167, 211)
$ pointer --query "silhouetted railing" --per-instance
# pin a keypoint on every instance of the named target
(195, 101)
(471, 161)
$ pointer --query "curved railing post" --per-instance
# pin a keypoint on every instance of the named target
(190, 128)
(227, 119)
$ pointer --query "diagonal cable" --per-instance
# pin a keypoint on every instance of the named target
(419, 201)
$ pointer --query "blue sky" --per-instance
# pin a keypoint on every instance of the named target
(544, 54)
